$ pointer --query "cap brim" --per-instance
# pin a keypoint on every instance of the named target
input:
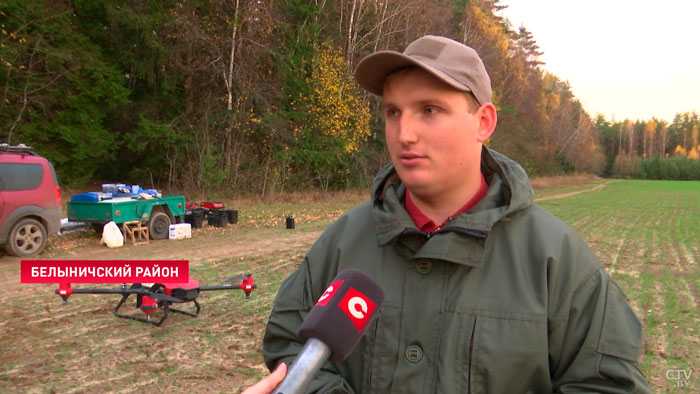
(372, 70)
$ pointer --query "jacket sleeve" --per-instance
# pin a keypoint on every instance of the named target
(596, 340)
(281, 344)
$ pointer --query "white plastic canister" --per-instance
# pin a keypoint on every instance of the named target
(112, 236)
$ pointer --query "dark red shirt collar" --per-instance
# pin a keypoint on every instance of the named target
(426, 225)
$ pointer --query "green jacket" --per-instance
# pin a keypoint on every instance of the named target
(505, 298)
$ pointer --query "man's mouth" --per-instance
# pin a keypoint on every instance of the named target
(411, 158)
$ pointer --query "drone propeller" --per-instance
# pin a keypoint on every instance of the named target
(244, 276)
(238, 278)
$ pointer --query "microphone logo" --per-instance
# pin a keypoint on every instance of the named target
(329, 293)
(357, 307)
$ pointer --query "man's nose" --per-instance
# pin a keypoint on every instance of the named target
(407, 130)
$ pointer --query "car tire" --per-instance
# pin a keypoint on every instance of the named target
(159, 225)
(27, 238)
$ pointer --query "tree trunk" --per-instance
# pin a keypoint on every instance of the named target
(228, 80)
(350, 43)
(24, 95)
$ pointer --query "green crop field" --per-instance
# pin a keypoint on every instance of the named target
(647, 233)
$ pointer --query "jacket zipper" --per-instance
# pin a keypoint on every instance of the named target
(471, 233)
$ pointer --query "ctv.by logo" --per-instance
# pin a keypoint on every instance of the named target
(680, 377)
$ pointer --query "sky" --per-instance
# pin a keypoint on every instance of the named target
(623, 58)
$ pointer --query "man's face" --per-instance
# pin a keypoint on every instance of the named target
(433, 138)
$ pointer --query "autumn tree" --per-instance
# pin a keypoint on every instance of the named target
(663, 139)
(337, 121)
(649, 134)
(234, 95)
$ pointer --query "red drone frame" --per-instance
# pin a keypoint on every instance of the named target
(161, 295)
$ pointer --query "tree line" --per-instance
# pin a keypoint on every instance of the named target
(258, 95)
(652, 149)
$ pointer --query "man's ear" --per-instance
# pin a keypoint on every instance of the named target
(487, 122)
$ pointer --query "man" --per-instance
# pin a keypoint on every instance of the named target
(485, 291)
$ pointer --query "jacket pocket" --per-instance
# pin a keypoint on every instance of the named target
(621, 333)
(469, 358)
(509, 355)
(454, 367)
(381, 352)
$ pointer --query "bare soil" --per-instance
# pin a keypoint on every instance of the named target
(83, 347)
(569, 194)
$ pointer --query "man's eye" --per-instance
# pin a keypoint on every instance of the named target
(431, 110)
(391, 112)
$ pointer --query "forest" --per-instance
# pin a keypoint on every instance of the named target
(257, 96)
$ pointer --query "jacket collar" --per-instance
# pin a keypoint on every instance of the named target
(509, 191)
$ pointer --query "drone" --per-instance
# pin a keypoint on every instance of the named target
(161, 295)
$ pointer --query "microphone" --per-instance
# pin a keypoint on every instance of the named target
(334, 327)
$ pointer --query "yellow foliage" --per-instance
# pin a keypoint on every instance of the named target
(490, 28)
(680, 151)
(650, 128)
(337, 107)
(693, 154)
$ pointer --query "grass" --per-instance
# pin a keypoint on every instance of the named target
(647, 233)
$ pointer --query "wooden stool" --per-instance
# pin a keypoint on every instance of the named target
(136, 231)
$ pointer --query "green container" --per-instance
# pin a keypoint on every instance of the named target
(126, 209)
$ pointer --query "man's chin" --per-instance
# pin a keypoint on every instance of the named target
(417, 186)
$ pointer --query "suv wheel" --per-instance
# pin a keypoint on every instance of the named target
(159, 225)
(27, 238)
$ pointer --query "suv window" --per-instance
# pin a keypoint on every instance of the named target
(17, 176)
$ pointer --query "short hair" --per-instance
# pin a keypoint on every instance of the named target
(472, 103)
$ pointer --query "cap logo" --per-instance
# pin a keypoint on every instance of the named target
(429, 49)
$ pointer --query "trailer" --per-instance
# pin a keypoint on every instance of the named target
(156, 213)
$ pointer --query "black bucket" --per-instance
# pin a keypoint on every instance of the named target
(232, 216)
(195, 218)
(217, 218)
(290, 222)
(195, 221)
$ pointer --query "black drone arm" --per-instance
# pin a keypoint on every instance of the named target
(223, 287)
(136, 288)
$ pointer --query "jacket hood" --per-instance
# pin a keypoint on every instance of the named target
(509, 192)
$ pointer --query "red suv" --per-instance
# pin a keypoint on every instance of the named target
(30, 200)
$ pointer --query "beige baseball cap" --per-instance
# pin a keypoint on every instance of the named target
(453, 62)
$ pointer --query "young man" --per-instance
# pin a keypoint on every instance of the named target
(485, 291)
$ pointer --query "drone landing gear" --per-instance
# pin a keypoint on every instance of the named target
(149, 306)
(193, 314)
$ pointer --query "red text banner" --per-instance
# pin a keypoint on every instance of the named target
(105, 271)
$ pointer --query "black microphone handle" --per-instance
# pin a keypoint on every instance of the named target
(304, 368)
